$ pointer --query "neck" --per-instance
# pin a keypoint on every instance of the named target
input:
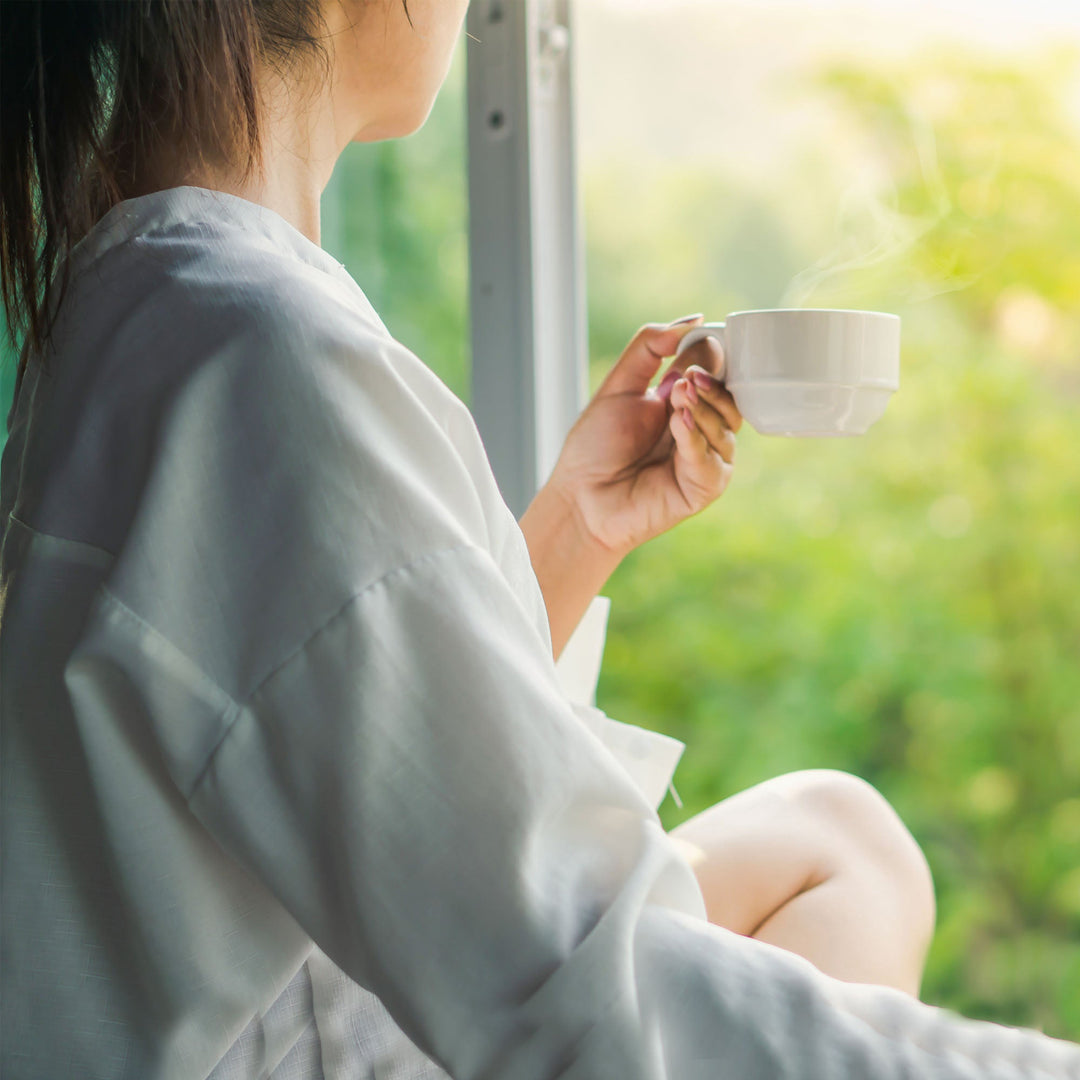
(300, 147)
(300, 144)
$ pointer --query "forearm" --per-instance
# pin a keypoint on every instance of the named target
(570, 566)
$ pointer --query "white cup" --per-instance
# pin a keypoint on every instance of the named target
(808, 372)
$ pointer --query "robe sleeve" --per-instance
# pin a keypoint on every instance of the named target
(649, 757)
(415, 789)
(401, 768)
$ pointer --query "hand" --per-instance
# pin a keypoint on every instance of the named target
(633, 466)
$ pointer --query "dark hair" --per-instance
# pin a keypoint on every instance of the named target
(91, 89)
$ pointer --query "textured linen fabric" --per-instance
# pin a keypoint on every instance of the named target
(290, 785)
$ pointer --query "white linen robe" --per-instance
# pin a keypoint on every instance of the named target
(289, 783)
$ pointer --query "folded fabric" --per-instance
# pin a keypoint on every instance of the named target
(649, 757)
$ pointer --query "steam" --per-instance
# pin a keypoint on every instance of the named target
(873, 230)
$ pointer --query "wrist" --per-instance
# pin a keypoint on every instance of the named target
(571, 565)
(556, 513)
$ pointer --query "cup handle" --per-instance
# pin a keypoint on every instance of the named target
(700, 333)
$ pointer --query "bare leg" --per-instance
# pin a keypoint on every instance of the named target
(818, 863)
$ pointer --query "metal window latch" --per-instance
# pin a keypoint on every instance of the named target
(553, 42)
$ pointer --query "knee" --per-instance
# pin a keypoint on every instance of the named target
(868, 830)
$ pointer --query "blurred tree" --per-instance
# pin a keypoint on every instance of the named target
(8, 363)
(396, 214)
(907, 608)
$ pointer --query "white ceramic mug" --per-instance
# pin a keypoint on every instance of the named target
(805, 371)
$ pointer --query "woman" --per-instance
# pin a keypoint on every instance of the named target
(290, 786)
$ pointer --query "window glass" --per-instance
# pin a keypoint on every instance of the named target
(8, 363)
(905, 606)
(396, 214)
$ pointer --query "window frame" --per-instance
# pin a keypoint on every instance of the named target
(529, 376)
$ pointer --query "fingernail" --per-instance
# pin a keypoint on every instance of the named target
(663, 388)
(691, 392)
(685, 319)
(705, 381)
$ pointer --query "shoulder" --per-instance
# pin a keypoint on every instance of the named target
(277, 324)
(300, 453)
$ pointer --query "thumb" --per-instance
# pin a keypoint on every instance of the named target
(634, 370)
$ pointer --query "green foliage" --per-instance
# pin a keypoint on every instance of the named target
(8, 367)
(906, 607)
(395, 213)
